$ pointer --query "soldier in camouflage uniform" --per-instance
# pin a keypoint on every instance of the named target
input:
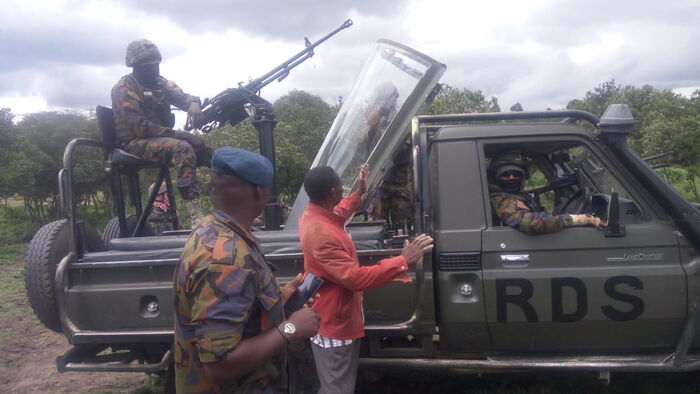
(395, 196)
(141, 103)
(230, 328)
(513, 208)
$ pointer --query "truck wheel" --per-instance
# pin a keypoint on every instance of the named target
(111, 230)
(46, 249)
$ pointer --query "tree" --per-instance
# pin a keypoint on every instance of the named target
(517, 107)
(667, 122)
(6, 143)
(35, 155)
(456, 101)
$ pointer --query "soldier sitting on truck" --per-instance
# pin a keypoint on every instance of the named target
(144, 124)
(507, 174)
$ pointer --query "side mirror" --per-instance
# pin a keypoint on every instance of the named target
(614, 229)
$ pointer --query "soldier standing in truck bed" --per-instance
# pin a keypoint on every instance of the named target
(144, 124)
(394, 198)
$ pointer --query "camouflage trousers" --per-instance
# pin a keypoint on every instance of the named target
(177, 152)
(397, 205)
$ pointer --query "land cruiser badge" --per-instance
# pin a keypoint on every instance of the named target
(637, 257)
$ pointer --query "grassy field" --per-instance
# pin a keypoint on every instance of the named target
(28, 349)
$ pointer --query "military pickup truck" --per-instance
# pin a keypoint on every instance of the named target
(488, 297)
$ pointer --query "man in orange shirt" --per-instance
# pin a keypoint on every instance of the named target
(330, 254)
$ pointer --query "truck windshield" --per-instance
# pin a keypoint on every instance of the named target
(391, 75)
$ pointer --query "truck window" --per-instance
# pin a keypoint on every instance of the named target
(558, 177)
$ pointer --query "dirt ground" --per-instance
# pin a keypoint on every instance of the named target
(28, 350)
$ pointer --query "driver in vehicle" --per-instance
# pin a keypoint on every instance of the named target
(514, 208)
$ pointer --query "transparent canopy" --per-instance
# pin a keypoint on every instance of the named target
(375, 117)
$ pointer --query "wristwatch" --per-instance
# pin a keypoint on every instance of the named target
(287, 329)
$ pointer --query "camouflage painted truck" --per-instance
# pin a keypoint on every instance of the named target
(488, 297)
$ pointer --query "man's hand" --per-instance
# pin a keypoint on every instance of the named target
(194, 116)
(196, 141)
(414, 250)
(588, 220)
(362, 179)
(306, 321)
(290, 287)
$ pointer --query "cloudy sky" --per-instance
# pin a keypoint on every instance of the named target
(57, 54)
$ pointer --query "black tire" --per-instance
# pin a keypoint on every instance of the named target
(46, 249)
(111, 230)
(169, 383)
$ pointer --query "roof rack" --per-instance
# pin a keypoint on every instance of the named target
(452, 119)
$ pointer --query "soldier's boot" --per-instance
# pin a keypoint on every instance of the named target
(194, 208)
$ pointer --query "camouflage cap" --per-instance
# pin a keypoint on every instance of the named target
(508, 161)
(142, 52)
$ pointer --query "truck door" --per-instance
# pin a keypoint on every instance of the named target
(576, 289)
(459, 218)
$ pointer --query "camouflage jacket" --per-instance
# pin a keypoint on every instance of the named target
(142, 111)
(224, 293)
(521, 213)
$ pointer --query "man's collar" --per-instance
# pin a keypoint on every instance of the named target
(228, 220)
(319, 210)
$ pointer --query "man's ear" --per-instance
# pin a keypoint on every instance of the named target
(260, 193)
(335, 190)
(257, 193)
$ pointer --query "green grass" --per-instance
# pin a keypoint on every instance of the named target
(11, 286)
(11, 253)
(15, 226)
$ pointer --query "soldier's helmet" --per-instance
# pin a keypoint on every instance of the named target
(142, 52)
(508, 161)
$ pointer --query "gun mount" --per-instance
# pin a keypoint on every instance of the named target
(234, 105)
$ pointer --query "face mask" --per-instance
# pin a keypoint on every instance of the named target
(511, 185)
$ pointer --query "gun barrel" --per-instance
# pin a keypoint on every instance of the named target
(293, 61)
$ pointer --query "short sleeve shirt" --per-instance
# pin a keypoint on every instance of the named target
(224, 293)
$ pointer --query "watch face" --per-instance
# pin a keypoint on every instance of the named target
(289, 328)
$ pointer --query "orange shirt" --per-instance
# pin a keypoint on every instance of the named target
(330, 254)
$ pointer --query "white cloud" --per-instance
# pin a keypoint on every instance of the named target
(542, 53)
(24, 104)
(448, 25)
(686, 91)
(607, 45)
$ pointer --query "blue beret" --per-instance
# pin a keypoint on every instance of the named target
(252, 167)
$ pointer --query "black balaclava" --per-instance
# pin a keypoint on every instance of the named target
(512, 186)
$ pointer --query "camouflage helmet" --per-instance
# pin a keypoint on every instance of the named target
(141, 52)
(508, 161)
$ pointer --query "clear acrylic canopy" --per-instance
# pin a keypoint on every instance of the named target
(375, 117)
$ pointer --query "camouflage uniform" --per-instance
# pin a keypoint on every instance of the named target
(396, 194)
(143, 123)
(224, 293)
(523, 214)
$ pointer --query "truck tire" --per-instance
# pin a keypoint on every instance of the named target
(46, 249)
(111, 230)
